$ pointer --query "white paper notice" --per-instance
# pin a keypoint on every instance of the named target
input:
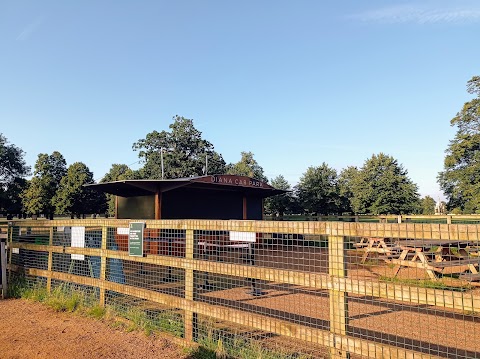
(78, 240)
(242, 236)
(122, 230)
(16, 250)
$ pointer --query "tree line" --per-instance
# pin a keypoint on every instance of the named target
(380, 186)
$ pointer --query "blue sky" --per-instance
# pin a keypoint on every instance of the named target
(297, 83)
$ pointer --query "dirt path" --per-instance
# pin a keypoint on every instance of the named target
(30, 330)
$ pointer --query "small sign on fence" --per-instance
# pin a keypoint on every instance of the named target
(135, 239)
(243, 236)
(78, 240)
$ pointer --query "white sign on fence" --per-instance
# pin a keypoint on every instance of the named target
(242, 236)
(123, 230)
(78, 240)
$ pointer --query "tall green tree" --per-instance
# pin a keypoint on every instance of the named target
(11, 198)
(382, 186)
(281, 203)
(118, 172)
(73, 197)
(427, 205)
(318, 190)
(184, 152)
(247, 166)
(460, 179)
(13, 169)
(345, 184)
(48, 172)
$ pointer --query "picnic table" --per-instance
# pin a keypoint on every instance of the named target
(436, 256)
(379, 245)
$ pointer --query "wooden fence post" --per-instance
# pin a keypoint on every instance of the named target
(3, 267)
(50, 259)
(103, 265)
(190, 316)
(338, 299)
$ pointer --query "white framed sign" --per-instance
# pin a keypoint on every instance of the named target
(78, 241)
(243, 236)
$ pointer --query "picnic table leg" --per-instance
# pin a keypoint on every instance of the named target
(472, 268)
(424, 261)
(402, 258)
(365, 255)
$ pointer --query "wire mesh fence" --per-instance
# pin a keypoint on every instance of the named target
(273, 289)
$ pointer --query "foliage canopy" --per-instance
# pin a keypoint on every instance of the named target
(460, 179)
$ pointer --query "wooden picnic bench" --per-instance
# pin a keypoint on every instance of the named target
(435, 256)
(379, 245)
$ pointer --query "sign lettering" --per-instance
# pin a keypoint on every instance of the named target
(135, 239)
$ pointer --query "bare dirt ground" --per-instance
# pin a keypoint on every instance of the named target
(30, 330)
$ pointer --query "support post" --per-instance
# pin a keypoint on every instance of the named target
(3, 266)
(338, 299)
(9, 245)
(190, 316)
(103, 265)
(158, 205)
(449, 219)
(50, 260)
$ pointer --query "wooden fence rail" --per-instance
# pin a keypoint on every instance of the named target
(335, 280)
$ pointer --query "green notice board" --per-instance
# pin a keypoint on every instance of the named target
(135, 239)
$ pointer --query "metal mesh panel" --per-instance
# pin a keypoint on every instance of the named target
(146, 314)
(238, 341)
(428, 274)
(156, 278)
(292, 289)
(30, 259)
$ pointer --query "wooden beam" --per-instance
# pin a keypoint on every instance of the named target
(189, 315)
(103, 264)
(337, 298)
(463, 301)
(50, 258)
(158, 205)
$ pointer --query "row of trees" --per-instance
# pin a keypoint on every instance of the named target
(380, 186)
(56, 189)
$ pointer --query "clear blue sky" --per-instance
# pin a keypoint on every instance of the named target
(297, 83)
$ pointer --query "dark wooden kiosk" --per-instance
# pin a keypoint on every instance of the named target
(204, 197)
(220, 197)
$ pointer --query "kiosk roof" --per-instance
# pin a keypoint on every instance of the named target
(242, 184)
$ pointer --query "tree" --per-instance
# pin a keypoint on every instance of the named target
(247, 166)
(318, 190)
(48, 172)
(427, 205)
(382, 186)
(281, 203)
(345, 184)
(12, 171)
(73, 197)
(460, 179)
(12, 196)
(184, 151)
(118, 172)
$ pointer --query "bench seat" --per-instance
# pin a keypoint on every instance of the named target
(471, 277)
(455, 263)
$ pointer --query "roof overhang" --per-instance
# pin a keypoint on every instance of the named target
(242, 184)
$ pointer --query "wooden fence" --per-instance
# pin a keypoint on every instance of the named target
(299, 263)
